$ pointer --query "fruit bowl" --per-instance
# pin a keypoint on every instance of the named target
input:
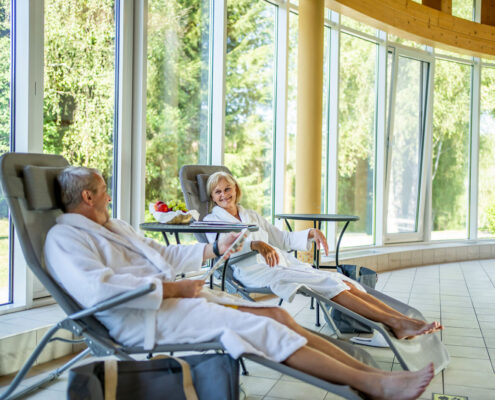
(173, 217)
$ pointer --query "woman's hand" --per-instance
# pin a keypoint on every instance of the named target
(186, 288)
(268, 252)
(319, 239)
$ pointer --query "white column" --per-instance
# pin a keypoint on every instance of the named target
(139, 113)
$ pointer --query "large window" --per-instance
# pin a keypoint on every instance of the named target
(5, 64)
(249, 99)
(79, 99)
(486, 188)
(356, 142)
(450, 151)
(405, 150)
(177, 93)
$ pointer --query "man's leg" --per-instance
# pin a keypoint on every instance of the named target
(322, 359)
(376, 385)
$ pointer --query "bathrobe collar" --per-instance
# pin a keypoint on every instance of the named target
(115, 232)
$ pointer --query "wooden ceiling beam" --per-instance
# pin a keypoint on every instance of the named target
(423, 24)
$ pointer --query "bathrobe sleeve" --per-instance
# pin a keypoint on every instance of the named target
(283, 240)
(73, 259)
(182, 258)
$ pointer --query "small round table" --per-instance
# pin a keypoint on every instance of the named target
(175, 229)
(317, 220)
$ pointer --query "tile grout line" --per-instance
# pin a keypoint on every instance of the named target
(475, 312)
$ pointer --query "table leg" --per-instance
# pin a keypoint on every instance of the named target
(338, 244)
(165, 237)
(176, 234)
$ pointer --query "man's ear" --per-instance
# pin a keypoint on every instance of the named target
(87, 196)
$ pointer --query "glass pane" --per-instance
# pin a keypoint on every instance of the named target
(356, 151)
(359, 26)
(5, 63)
(177, 94)
(250, 99)
(450, 151)
(79, 103)
(290, 166)
(405, 42)
(486, 189)
(463, 9)
(453, 54)
(406, 144)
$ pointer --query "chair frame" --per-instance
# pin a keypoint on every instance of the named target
(406, 351)
(82, 322)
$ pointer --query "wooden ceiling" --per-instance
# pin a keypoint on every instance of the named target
(432, 25)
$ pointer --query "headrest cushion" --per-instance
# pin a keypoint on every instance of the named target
(42, 187)
(202, 179)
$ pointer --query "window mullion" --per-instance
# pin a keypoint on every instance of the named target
(218, 68)
(474, 150)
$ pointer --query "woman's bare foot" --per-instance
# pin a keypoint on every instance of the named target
(401, 385)
(409, 328)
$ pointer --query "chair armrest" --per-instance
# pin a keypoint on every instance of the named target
(232, 260)
(114, 301)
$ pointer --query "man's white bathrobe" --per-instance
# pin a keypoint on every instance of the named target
(94, 262)
(286, 278)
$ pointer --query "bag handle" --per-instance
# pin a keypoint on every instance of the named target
(111, 368)
(187, 382)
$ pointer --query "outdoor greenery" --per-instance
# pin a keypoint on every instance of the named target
(79, 106)
(78, 115)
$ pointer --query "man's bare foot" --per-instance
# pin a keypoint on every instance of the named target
(401, 385)
(409, 328)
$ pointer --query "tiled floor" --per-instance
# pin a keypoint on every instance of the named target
(461, 295)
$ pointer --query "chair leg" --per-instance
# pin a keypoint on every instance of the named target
(280, 302)
(243, 367)
(318, 314)
(312, 306)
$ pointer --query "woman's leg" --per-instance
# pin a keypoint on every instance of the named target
(369, 307)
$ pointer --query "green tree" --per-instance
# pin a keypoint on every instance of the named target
(80, 81)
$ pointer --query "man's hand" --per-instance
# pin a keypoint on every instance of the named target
(226, 241)
(186, 288)
(268, 252)
(319, 239)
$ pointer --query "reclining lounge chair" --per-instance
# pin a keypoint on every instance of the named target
(31, 189)
(412, 354)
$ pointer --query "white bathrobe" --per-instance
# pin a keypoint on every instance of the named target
(286, 278)
(94, 262)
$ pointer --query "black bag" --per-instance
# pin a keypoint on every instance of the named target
(214, 376)
(362, 275)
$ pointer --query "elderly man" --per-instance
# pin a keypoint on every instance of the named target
(94, 257)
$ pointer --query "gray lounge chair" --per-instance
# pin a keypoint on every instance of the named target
(412, 354)
(30, 187)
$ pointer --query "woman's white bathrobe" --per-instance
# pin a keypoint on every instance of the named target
(290, 274)
(93, 262)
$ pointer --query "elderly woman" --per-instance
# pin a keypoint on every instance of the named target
(275, 268)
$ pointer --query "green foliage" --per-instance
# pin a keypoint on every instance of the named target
(249, 99)
(80, 81)
(490, 219)
(451, 113)
(177, 93)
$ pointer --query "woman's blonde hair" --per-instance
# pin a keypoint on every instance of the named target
(215, 179)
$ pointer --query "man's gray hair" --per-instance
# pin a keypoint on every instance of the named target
(73, 180)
